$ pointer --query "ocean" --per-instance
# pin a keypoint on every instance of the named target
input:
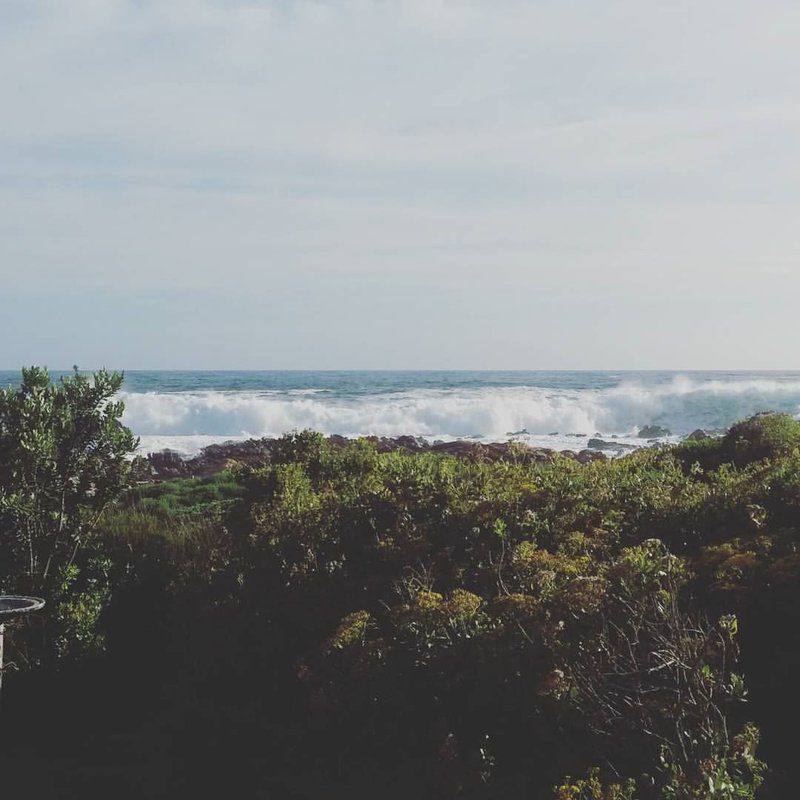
(185, 411)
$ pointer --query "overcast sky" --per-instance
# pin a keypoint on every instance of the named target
(400, 184)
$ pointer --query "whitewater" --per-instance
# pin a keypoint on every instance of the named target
(186, 411)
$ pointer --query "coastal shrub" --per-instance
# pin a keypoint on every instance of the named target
(422, 592)
(340, 621)
(767, 435)
(704, 454)
(761, 436)
(595, 788)
(63, 460)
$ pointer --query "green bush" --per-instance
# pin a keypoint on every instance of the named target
(63, 460)
(761, 436)
(346, 622)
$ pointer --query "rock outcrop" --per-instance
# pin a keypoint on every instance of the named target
(601, 444)
(653, 432)
(168, 464)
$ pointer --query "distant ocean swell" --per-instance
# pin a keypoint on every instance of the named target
(555, 417)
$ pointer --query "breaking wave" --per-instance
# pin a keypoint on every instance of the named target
(488, 413)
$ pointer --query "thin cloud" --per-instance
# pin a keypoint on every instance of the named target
(596, 150)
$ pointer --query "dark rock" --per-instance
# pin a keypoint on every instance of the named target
(408, 444)
(600, 444)
(653, 432)
(257, 452)
(458, 448)
(411, 442)
(168, 464)
(142, 471)
(587, 456)
(698, 435)
(217, 457)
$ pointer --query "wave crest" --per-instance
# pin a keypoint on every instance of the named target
(682, 405)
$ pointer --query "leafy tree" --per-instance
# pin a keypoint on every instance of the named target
(63, 458)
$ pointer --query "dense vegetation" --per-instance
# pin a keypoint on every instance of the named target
(343, 622)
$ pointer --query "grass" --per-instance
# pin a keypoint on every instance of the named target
(187, 496)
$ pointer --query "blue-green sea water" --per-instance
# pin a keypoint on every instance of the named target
(187, 410)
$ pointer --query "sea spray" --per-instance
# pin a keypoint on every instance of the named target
(552, 409)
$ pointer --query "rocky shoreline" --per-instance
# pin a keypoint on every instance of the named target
(168, 464)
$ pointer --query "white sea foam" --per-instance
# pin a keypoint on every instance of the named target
(683, 404)
(184, 445)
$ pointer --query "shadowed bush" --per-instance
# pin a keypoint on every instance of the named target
(343, 622)
(762, 436)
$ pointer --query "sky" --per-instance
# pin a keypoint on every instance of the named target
(399, 184)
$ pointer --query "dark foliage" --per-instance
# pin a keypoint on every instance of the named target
(344, 623)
